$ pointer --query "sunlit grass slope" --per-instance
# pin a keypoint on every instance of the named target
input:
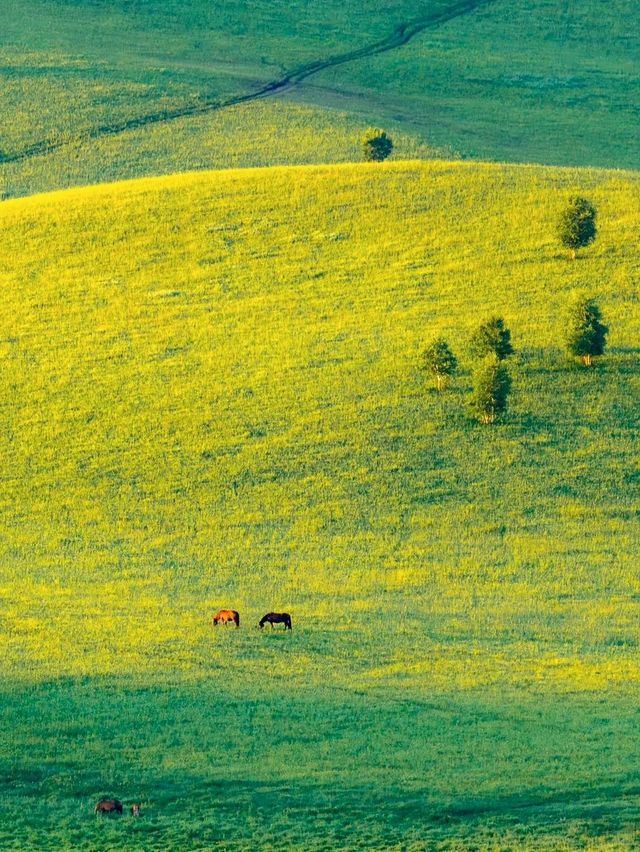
(211, 397)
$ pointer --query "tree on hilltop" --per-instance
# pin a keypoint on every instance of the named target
(440, 361)
(585, 333)
(577, 225)
(491, 338)
(376, 145)
(491, 388)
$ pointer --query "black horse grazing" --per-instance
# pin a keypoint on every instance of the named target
(108, 806)
(276, 618)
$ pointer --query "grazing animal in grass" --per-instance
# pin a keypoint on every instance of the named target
(135, 810)
(108, 806)
(226, 616)
(276, 618)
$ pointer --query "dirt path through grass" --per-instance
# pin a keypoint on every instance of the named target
(400, 36)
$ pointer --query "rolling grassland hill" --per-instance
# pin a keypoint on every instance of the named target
(266, 132)
(212, 396)
(530, 81)
(95, 91)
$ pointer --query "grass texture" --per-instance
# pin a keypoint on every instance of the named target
(212, 397)
(273, 132)
(545, 81)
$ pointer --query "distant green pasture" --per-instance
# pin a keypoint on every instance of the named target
(537, 81)
(70, 66)
(543, 81)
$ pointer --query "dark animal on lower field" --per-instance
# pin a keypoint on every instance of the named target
(108, 806)
(276, 618)
(135, 810)
(226, 616)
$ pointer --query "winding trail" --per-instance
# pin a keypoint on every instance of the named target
(400, 36)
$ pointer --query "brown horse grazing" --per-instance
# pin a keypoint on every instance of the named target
(276, 618)
(226, 616)
(135, 810)
(108, 806)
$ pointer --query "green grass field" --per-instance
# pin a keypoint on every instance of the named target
(212, 397)
(537, 81)
(272, 132)
(83, 84)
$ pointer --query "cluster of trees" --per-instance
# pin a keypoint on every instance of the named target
(585, 334)
(490, 345)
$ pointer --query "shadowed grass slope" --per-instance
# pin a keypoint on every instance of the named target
(76, 69)
(540, 81)
(545, 81)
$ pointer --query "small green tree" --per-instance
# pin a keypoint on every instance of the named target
(585, 333)
(440, 361)
(577, 226)
(491, 338)
(376, 145)
(491, 388)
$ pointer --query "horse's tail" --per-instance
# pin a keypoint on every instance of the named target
(237, 619)
(289, 622)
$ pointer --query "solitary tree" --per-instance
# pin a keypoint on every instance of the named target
(491, 388)
(440, 361)
(577, 226)
(376, 145)
(491, 338)
(585, 333)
